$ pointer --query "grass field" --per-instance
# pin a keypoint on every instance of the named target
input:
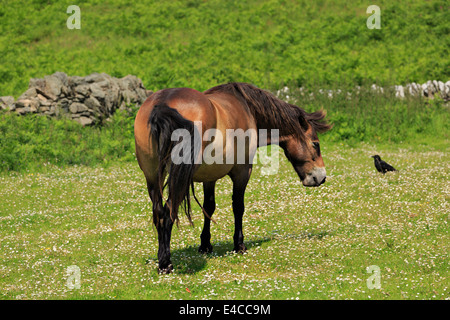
(74, 196)
(303, 243)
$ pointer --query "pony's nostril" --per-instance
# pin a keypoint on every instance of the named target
(315, 180)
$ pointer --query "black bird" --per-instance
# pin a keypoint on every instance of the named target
(381, 165)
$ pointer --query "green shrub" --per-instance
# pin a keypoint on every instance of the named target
(30, 142)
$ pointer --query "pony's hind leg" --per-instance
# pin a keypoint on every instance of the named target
(164, 228)
(209, 204)
(164, 224)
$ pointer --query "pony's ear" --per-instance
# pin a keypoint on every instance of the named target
(303, 123)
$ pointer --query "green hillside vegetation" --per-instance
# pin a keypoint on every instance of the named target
(200, 43)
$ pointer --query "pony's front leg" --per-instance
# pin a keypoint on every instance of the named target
(238, 211)
(240, 176)
(209, 204)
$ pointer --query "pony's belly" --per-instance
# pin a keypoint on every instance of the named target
(211, 172)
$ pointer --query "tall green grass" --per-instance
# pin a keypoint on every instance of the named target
(33, 141)
(362, 114)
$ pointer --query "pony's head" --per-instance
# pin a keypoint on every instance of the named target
(298, 128)
(303, 150)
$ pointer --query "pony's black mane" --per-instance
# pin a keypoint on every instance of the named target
(269, 111)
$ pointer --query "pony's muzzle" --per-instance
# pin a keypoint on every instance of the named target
(315, 178)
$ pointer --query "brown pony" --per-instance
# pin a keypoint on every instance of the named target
(224, 107)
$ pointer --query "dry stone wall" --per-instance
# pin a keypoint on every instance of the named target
(88, 100)
(94, 98)
(429, 89)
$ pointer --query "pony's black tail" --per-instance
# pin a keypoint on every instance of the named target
(164, 121)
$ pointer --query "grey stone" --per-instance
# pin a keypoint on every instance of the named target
(425, 89)
(21, 110)
(447, 89)
(65, 92)
(63, 78)
(64, 102)
(416, 89)
(112, 97)
(85, 113)
(130, 82)
(110, 102)
(54, 110)
(399, 92)
(96, 77)
(52, 85)
(76, 80)
(92, 103)
(27, 103)
(431, 88)
(45, 103)
(41, 98)
(30, 93)
(435, 85)
(82, 108)
(85, 121)
(129, 96)
(73, 107)
(79, 97)
(82, 89)
(104, 83)
(6, 102)
(48, 95)
(36, 83)
(77, 107)
(97, 91)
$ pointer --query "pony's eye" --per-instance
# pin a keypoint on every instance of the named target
(316, 146)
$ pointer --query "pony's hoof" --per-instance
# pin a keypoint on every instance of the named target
(205, 249)
(240, 249)
(167, 270)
